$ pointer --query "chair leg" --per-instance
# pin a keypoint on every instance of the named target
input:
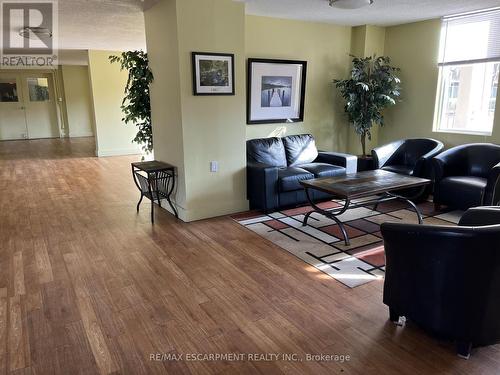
(394, 317)
(139, 203)
(463, 349)
(152, 211)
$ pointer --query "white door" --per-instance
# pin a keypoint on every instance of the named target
(40, 105)
(12, 114)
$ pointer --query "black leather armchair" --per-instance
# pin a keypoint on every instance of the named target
(275, 167)
(468, 176)
(410, 156)
(447, 279)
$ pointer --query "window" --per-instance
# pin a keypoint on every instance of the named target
(469, 67)
(38, 89)
(8, 90)
(494, 88)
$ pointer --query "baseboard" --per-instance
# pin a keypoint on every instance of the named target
(118, 152)
(81, 135)
(207, 213)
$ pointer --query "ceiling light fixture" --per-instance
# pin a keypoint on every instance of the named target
(350, 4)
(35, 33)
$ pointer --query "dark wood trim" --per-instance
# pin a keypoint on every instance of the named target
(302, 90)
(193, 73)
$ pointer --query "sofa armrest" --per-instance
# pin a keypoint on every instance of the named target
(424, 163)
(492, 194)
(262, 185)
(449, 163)
(480, 216)
(382, 154)
(349, 162)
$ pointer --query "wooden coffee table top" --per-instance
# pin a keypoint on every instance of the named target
(364, 184)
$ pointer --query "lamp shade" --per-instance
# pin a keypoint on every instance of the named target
(350, 4)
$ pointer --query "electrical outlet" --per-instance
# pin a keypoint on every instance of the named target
(214, 166)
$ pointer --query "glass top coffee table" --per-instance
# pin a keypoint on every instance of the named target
(382, 183)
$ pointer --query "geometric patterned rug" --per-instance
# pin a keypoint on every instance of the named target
(320, 243)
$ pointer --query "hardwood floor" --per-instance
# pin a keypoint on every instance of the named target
(89, 287)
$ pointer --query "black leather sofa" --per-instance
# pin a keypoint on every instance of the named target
(447, 279)
(468, 176)
(275, 167)
(409, 156)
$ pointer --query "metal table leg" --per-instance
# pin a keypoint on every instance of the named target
(413, 205)
(138, 187)
(347, 205)
(169, 193)
(329, 214)
(150, 191)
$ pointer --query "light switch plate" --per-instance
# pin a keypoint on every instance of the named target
(214, 166)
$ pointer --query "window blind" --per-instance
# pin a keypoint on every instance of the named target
(470, 38)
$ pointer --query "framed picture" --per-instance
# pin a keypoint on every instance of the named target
(213, 73)
(276, 91)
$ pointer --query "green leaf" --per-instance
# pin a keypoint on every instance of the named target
(373, 86)
(136, 105)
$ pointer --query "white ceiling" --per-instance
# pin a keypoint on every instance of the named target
(119, 24)
(382, 12)
(101, 24)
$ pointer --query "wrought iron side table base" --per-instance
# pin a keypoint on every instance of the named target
(385, 197)
(158, 184)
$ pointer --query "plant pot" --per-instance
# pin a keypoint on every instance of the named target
(365, 163)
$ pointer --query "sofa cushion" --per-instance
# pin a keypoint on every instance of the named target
(323, 169)
(300, 149)
(469, 191)
(401, 169)
(289, 178)
(270, 151)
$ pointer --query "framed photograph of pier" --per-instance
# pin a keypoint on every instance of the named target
(276, 91)
(213, 73)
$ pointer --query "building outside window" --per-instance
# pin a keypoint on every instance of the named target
(494, 88)
(469, 67)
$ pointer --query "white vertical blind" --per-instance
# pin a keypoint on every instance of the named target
(470, 38)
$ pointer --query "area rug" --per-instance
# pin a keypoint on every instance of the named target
(320, 243)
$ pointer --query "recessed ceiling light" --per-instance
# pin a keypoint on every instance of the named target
(35, 33)
(350, 4)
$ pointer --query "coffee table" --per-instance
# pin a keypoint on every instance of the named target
(362, 185)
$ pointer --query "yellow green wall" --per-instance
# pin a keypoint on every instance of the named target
(191, 131)
(326, 49)
(166, 109)
(107, 84)
(205, 128)
(77, 98)
(415, 48)
(366, 41)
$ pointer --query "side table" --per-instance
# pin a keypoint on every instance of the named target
(156, 181)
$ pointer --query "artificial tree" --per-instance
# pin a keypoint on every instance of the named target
(373, 86)
(136, 105)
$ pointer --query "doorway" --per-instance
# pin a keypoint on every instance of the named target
(28, 108)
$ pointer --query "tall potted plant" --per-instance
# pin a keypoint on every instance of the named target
(373, 86)
(136, 105)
